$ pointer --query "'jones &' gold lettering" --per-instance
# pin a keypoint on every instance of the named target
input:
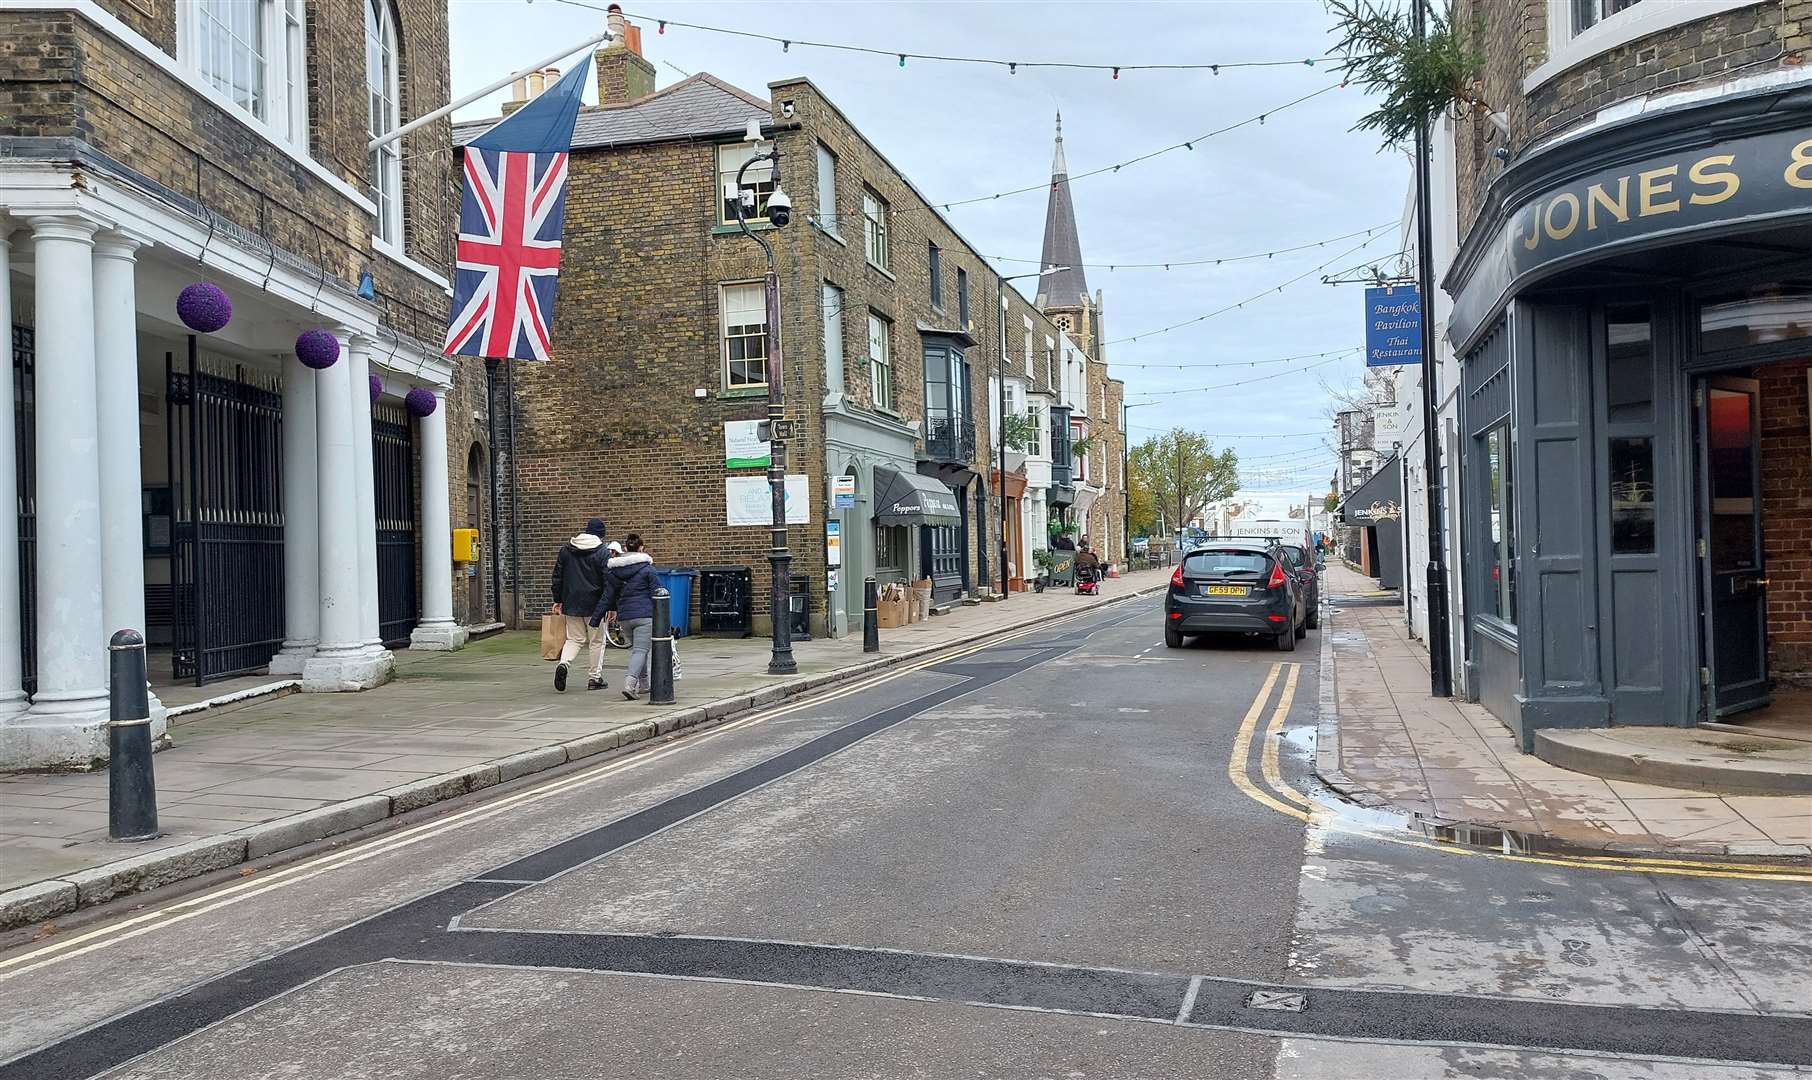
(1703, 171)
(1647, 188)
(1596, 196)
(1571, 202)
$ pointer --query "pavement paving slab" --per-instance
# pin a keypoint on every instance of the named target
(1394, 746)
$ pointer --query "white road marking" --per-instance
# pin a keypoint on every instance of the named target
(1195, 987)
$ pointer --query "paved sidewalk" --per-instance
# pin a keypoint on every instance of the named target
(1450, 761)
(254, 778)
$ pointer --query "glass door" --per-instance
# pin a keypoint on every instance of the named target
(1735, 578)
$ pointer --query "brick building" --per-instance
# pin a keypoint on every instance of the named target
(1625, 231)
(247, 512)
(895, 331)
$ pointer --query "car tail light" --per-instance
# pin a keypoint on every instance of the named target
(1176, 579)
(1275, 618)
(1277, 576)
(1176, 614)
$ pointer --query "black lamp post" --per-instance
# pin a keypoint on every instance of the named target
(1439, 644)
(1000, 406)
(779, 212)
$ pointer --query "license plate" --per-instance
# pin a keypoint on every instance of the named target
(1224, 590)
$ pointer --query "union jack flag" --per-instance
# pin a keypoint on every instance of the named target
(512, 216)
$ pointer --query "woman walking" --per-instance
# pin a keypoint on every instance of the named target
(628, 601)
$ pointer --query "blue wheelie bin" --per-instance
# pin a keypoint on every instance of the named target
(678, 583)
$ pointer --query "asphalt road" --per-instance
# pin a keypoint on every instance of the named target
(1071, 853)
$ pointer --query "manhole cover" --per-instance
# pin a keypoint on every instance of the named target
(1277, 1001)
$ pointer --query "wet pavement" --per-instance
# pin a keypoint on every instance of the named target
(1073, 853)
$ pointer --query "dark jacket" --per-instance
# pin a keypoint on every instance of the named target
(629, 588)
(579, 574)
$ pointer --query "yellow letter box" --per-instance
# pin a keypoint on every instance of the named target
(465, 545)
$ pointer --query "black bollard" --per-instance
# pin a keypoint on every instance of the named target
(660, 658)
(871, 623)
(131, 790)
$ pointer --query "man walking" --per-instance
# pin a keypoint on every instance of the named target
(578, 585)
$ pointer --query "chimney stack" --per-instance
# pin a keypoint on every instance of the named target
(530, 87)
(624, 74)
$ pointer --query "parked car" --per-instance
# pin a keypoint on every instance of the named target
(1236, 586)
(1308, 573)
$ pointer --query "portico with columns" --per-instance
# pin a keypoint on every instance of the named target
(222, 498)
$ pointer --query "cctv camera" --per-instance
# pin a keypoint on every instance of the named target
(1502, 153)
(780, 209)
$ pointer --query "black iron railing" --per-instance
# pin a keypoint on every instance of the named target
(393, 488)
(226, 468)
(949, 438)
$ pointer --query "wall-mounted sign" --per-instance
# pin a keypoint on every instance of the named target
(843, 492)
(833, 543)
(744, 448)
(1736, 184)
(1393, 326)
(747, 500)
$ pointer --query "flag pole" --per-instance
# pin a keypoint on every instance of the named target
(429, 118)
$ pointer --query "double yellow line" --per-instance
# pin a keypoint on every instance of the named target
(307, 870)
(1280, 795)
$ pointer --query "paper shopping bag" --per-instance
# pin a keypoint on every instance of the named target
(553, 636)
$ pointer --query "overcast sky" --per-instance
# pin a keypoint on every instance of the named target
(963, 130)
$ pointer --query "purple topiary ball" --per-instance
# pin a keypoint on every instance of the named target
(420, 402)
(317, 349)
(377, 388)
(203, 307)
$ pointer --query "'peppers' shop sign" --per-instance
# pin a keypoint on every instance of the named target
(1393, 326)
(1739, 183)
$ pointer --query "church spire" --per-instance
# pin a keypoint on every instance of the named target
(1062, 245)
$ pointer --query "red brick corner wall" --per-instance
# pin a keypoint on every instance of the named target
(1787, 517)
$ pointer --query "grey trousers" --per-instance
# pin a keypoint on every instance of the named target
(640, 633)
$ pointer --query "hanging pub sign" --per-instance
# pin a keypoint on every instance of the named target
(1393, 325)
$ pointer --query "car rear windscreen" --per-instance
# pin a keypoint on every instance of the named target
(1225, 564)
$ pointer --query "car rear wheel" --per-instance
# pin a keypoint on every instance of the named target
(1173, 638)
(1286, 641)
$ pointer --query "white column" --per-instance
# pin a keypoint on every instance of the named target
(66, 722)
(341, 660)
(301, 521)
(116, 409)
(437, 630)
(365, 529)
(12, 659)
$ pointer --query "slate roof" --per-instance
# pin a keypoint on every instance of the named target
(700, 106)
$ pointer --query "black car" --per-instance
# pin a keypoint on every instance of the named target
(1309, 576)
(1236, 586)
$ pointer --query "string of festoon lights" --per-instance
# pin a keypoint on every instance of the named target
(1010, 65)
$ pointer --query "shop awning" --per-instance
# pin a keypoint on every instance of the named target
(1378, 501)
(911, 499)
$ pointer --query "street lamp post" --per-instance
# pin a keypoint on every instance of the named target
(780, 559)
(1126, 477)
(1000, 407)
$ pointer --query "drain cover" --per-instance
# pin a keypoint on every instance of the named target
(1277, 1001)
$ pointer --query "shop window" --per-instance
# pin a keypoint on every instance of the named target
(1776, 312)
(759, 180)
(1500, 506)
(1629, 366)
(1633, 496)
(890, 550)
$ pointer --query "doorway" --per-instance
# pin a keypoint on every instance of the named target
(475, 489)
(1733, 567)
